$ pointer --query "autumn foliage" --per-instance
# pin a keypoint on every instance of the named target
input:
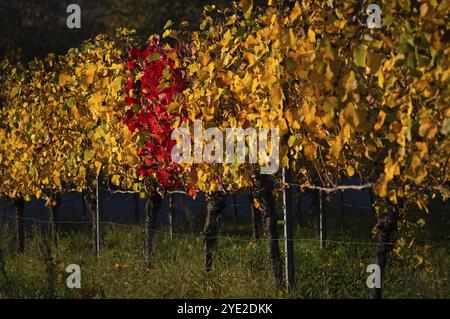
(348, 100)
(155, 79)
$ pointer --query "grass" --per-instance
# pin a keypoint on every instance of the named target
(240, 266)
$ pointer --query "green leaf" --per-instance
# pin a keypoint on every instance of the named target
(166, 72)
(174, 106)
(70, 101)
(359, 56)
(168, 24)
(247, 6)
(387, 21)
(406, 44)
(209, 7)
(153, 57)
(445, 129)
(421, 222)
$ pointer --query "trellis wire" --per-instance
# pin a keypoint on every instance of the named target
(216, 237)
(327, 190)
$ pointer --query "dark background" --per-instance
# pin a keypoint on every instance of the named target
(34, 28)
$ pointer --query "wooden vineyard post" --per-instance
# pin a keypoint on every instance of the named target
(288, 236)
(299, 210)
(20, 230)
(322, 222)
(97, 215)
(171, 216)
(341, 210)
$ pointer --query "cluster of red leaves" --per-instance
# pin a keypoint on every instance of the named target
(152, 86)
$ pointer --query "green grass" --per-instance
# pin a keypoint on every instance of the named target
(240, 266)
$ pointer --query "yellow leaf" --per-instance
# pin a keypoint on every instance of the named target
(428, 128)
(391, 168)
(116, 85)
(292, 118)
(98, 167)
(51, 202)
(247, 6)
(350, 82)
(380, 121)
(296, 12)
(256, 203)
(95, 102)
(292, 139)
(95, 99)
(81, 176)
(63, 79)
(423, 148)
(381, 187)
(89, 72)
(392, 194)
(224, 42)
(99, 132)
(310, 151)
(249, 58)
(116, 180)
(74, 112)
(276, 95)
(311, 36)
(419, 260)
(132, 160)
(57, 180)
(380, 77)
(250, 42)
(421, 222)
(336, 147)
(350, 171)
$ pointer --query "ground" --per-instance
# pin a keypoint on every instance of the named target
(240, 266)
